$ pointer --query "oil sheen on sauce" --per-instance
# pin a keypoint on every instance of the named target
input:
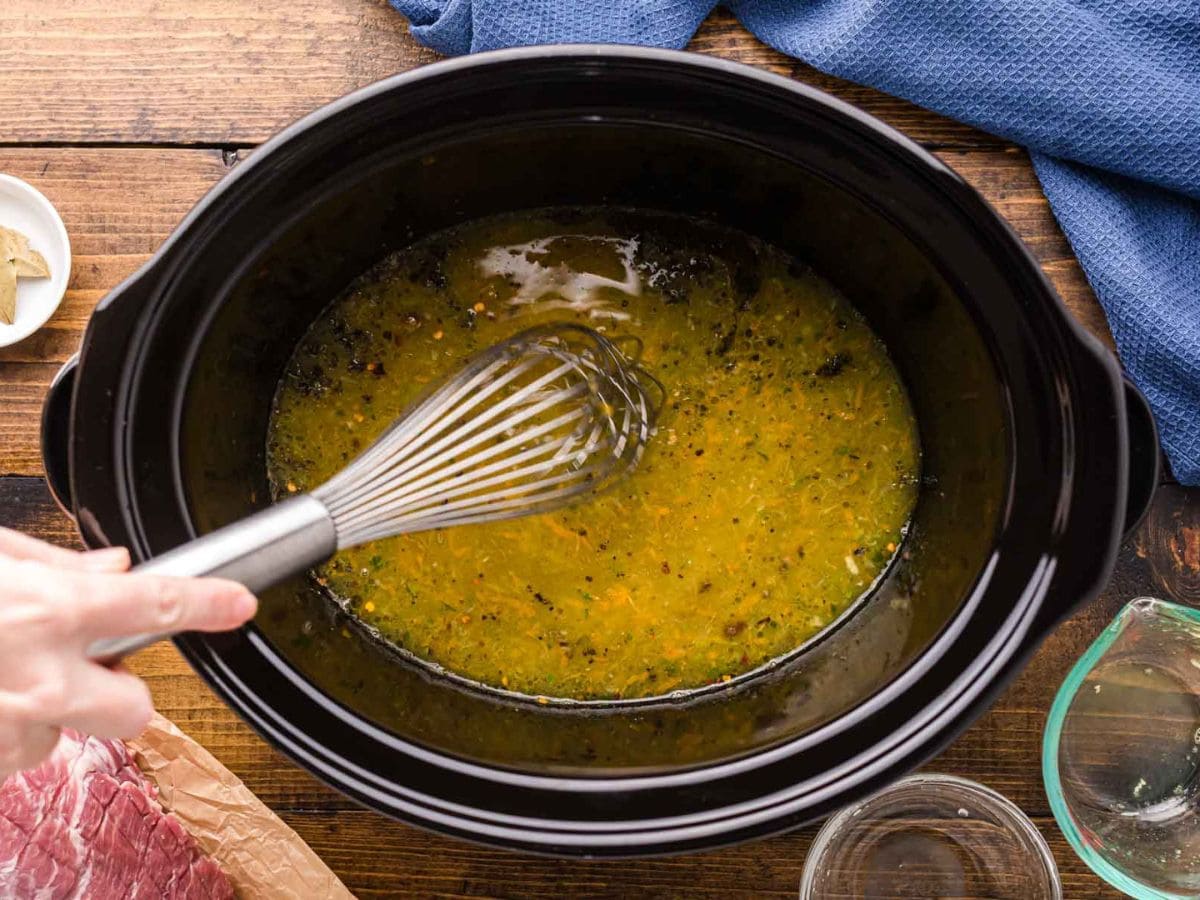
(775, 491)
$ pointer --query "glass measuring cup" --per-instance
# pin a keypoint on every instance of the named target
(1121, 752)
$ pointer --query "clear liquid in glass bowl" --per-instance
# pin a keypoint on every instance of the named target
(930, 836)
(1121, 754)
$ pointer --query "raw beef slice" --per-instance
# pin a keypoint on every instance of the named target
(85, 825)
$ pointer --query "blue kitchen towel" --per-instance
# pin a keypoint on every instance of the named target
(1104, 93)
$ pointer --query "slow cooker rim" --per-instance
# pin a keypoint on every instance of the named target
(601, 53)
(893, 138)
(759, 815)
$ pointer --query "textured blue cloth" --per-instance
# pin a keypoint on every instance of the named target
(1104, 93)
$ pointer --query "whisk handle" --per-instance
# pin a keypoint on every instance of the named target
(258, 551)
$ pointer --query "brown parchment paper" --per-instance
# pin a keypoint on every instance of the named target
(261, 855)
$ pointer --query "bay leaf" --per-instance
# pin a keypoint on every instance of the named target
(8, 291)
(15, 246)
(32, 265)
(17, 260)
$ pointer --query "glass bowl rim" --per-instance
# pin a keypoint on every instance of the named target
(1024, 826)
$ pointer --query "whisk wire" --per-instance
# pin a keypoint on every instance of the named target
(477, 508)
(549, 414)
(426, 421)
(432, 484)
(410, 468)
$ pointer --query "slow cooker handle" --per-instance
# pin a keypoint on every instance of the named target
(1145, 460)
(1142, 475)
(56, 433)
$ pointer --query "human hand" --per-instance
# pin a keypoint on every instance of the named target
(53, 604)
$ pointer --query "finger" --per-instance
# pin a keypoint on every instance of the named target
(129, 603)
(25, 747)
(109, 703)
(21, 546)
(15, 545)
(110, 559)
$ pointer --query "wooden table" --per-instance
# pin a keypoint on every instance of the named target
(124, 114)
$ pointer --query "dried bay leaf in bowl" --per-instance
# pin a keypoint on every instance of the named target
(17, 260)
(33, 265)
(8, 291)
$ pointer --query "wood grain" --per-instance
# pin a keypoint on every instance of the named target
(118, 206)
(186, 72)
(229, 72)
(1170, 544)
(407, 862)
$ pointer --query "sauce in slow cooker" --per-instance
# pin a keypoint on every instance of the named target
(775, 491)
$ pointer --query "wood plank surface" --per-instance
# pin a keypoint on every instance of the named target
(118, 206)
(173, 71)
(124, 114)
(768, 868)
(232, 72)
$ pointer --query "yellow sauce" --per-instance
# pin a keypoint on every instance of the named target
(774, 492)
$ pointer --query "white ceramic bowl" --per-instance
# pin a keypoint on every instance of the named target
(24, 208)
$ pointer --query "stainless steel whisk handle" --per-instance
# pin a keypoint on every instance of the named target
(257, 551)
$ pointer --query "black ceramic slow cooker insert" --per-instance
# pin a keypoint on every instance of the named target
(1037, 456)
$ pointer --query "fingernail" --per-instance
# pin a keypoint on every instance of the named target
(245, 605)
(106, 560)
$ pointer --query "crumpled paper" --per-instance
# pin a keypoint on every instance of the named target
(261, 855)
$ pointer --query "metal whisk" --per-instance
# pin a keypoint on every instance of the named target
(551, 414)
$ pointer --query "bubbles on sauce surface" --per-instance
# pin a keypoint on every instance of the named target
(541, 270)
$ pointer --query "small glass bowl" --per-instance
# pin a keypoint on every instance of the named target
(930, 836)
(1121, 752)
